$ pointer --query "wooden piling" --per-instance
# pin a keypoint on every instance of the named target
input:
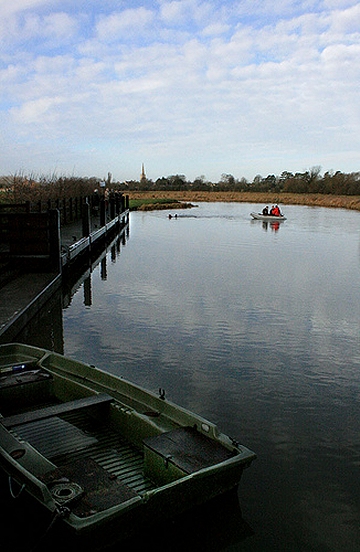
(86, 219)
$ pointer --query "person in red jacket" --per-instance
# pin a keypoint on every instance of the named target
(276, 211)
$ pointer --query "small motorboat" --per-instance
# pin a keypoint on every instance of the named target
(101, 455)
(267, 218)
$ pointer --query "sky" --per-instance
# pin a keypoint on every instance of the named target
(199, 88)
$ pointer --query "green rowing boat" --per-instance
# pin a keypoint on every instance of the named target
(100, 454)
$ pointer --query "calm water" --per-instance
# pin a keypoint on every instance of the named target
(256, 328)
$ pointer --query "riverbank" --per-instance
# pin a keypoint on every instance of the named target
(318, 200)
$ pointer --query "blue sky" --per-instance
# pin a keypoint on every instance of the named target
(191, 87)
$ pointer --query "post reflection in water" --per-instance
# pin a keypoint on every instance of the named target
(103, 269)
(87, 291)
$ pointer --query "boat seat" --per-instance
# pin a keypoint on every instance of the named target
(55, 410)
(182, 451)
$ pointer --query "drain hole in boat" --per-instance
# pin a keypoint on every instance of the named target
(65, 492)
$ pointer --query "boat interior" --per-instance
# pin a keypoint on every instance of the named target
(89, 448)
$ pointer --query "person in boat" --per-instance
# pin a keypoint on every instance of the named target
(276, 211)
(265, 211)
(272, 210)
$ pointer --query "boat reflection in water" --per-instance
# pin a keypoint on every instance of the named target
(215, 526)
(273, 225)
(265, 225)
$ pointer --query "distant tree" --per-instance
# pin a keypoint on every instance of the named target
(269, 183)
(162, 183)
(342, 183)
(285, 181)
(177, 182)
(256, 183)
(315, 180)
(227, 182)
(243, 184)
(200, 184)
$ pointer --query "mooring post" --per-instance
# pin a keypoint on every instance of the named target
(65, 218)
(55, 240)
(71, 211)
(117, 203)
(86, 219)
(102, 212)
(112, 207)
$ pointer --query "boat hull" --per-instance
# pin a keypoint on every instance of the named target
(267, 218)
(102, 454)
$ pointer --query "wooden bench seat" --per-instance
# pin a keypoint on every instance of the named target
(186, 449)
(55, 410)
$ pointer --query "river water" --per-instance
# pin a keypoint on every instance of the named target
(257, 328)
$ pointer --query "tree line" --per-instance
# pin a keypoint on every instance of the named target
(308, 182)
(18, 188)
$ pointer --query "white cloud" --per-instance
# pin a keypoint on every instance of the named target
(347, 21)
(175, 13)
(52, 30)
(117, 24)
(185, 12)
(341, 61)
(339, 4)
(32, 111)
(215, 29)
(17, 6)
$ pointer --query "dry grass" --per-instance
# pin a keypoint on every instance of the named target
(320, 200)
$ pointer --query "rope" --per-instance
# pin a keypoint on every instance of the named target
(15, 495)
(60, 512)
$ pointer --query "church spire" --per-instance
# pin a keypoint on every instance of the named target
(143, 175)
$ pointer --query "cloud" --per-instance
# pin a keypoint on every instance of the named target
(42, 108)
(215, 29)
(118, 24)
(179, 12)
(41, 30)
(346, 21)
(18, 6)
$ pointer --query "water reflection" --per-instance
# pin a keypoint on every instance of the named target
(46, 328)
(218, 525)
(265, 225)
(87, 291)
(257, 329)
(103, 272)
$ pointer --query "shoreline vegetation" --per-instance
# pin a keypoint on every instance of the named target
(176, 193)
(154, 200)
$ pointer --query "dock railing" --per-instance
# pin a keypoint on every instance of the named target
(38, 233)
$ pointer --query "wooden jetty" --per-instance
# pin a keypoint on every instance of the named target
(39, 249)
(94, 236)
